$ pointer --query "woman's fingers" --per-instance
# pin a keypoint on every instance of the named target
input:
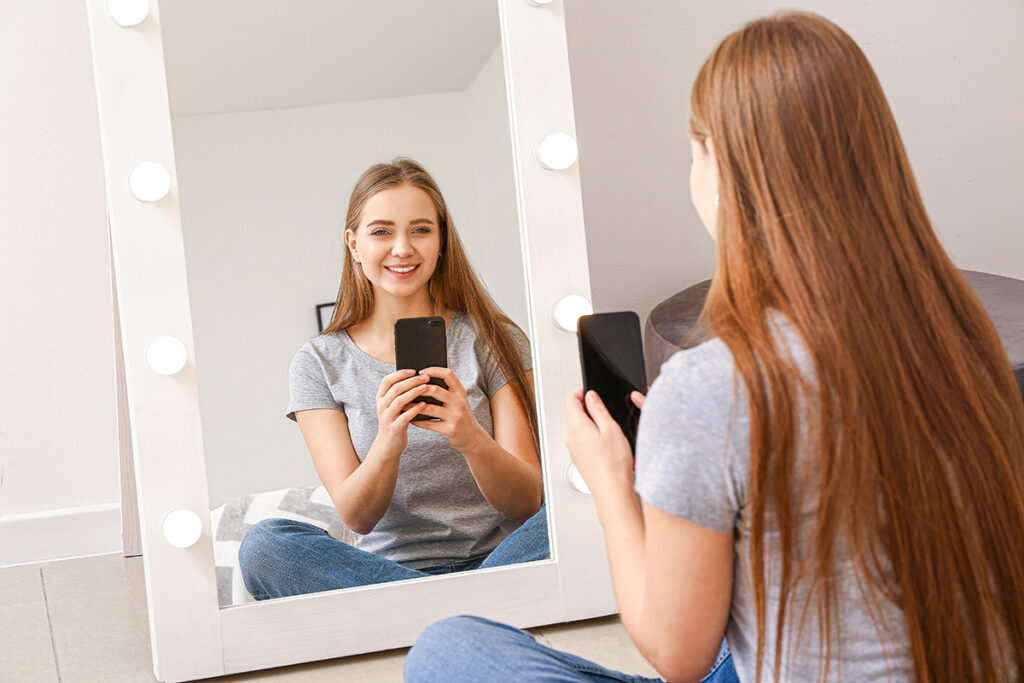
(574, 410)
(389, 381)
(431, 410)
(440, 393)
(399, 388)
(400, 402)
(406, 416)
(447, 375)
(638, 399)
(598, 412)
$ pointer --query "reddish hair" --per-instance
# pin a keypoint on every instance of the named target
(918, 429)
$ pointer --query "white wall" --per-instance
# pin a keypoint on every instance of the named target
(58, 437)
(952, 72)
(263, 198)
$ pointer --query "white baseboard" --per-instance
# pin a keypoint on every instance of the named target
(60, 534)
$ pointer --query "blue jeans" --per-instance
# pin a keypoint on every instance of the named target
(280, 557)
(472, 649)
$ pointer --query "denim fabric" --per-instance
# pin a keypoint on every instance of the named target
(472, 650)
(280, 557)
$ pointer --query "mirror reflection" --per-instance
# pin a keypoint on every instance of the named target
(360, 157)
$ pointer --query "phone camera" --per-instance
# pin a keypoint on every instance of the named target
(435, 323)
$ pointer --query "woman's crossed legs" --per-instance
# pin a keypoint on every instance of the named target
(281, 557)
(470, 649)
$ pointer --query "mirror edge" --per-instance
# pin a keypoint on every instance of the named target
(152, 296)
(536, 57)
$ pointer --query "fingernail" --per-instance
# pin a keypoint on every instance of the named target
(410, 372)
(591, 396)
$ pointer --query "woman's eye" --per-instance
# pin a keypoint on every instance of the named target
(424, 230)
(378, 232)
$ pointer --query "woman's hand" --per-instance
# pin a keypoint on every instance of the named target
(393, 417)
(458, 423)
(596, 443)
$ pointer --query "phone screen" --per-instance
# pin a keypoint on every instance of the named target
(612, 359)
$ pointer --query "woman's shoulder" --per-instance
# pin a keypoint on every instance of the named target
(710, 364)
(327, 347)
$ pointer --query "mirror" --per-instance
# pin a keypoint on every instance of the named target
(274, 118)
(152, 240)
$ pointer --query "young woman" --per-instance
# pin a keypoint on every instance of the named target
(835, 480)
(425, 497)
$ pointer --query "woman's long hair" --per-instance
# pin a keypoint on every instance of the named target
(453, 286)
(918, 436)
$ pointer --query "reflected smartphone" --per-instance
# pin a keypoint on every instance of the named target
(421, 343)
(612, 360)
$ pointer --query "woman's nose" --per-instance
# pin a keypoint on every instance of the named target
(401, 247)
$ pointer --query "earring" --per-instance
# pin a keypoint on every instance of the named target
(716, 200)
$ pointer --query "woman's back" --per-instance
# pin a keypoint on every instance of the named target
(693, 460)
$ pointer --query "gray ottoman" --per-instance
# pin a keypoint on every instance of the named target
(672, 324)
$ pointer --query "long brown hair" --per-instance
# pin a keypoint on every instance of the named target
(918, 433)
(453, 286)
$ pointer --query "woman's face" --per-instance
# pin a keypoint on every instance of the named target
(397, 241)
(704, 183)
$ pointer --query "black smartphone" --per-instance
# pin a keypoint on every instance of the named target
(612, 359)
(421, 343)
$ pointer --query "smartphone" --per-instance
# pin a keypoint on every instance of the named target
(421, 343)
(612, 360)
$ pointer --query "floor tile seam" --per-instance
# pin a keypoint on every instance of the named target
(49, 625)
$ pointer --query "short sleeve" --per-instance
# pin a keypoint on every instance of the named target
(493, 377)
(307, 384)
(692, 452)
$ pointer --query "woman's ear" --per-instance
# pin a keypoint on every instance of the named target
(350, 242)
(709, 144)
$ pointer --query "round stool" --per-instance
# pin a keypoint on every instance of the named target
(672, 325)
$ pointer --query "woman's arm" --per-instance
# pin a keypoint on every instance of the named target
(362, 492)
(672, 578)
(506, 467)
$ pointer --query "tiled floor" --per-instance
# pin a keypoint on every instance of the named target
(85, 620)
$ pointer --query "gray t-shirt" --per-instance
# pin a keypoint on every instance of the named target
(693, 461)
(437, 514)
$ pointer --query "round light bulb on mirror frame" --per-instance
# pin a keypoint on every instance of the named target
(128, 13)
(557, 152)
(568, 309)
(149, 182)
(166, 355)
(182, 528)
(575, 479)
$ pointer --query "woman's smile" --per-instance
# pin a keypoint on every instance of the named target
(402, 271)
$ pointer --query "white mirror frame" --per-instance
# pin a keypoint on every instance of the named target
(191, 637)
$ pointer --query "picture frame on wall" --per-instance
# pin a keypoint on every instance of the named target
(324, 313)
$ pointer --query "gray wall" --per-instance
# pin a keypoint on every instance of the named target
(953, 74)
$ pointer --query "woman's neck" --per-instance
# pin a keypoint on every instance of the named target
(380, 326)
